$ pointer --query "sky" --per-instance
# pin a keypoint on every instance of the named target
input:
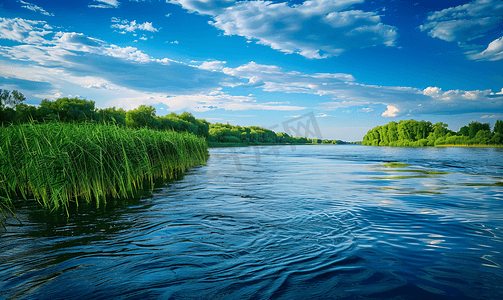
(353, 64)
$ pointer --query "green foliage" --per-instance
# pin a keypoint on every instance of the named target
(112, 115)
(143, 116)
(69, 109)
(10, 98)
(75, 110)
(56, 163)
(412, 133)
(498, 127)
(474, 127)
(226, 133)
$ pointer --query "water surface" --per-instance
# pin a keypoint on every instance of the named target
(279, 222)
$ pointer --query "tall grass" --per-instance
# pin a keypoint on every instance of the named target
(58, 163)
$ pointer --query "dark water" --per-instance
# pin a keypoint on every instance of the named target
(314, 222)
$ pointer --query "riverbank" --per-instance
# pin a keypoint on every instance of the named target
(226, 145)
(472, 146)
(59, 163)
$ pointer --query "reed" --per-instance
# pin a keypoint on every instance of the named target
(57, 163)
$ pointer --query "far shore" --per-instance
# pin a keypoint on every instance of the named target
(472, 146)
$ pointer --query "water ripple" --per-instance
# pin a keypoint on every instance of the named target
(320, 222)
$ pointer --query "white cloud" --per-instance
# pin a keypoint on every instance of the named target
(391, 111)
(314, 29)
(73, 55)
(35, 8)
(201, 102)
(125, 25)
(467, 23)
(493, 52)
(273, 79)
(69, 61)
(24, 31)
(345, 92)
(51, 62)
(322, 115)
(212, 65)
(108, 4)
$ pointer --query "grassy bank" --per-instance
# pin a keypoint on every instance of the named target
(58, 163)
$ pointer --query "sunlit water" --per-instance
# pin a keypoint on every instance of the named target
(304, 222)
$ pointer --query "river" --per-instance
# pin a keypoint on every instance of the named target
(278, 222)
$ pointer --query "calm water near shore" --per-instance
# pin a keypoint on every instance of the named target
(278, 222)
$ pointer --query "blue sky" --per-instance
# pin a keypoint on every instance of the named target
(355, 64)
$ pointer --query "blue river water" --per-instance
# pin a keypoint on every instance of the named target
(278, 222)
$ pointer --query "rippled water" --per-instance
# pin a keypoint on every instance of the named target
(304, 222)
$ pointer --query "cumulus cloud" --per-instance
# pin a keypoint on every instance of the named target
(465, 24)
(35, 8)
(128, 26)
(212, 65)
(314, 29)
(391, 111)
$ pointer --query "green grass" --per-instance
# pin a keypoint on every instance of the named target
(56, 164)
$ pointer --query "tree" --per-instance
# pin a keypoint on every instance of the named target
(113, 115)
(475, 127)
(465, 130)
(140, 117)
(71, 109)
(11, 98)
(498, 127)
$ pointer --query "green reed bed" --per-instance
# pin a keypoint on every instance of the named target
(58, 163)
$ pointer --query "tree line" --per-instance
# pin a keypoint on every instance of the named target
(411, 133)
(226, 133)
(75, 110)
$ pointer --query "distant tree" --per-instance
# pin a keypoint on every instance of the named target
(8, 101)
(498, 127)
(70, 109)
(475, 127)
(112, 115)
(140, 117)
(465, 130)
